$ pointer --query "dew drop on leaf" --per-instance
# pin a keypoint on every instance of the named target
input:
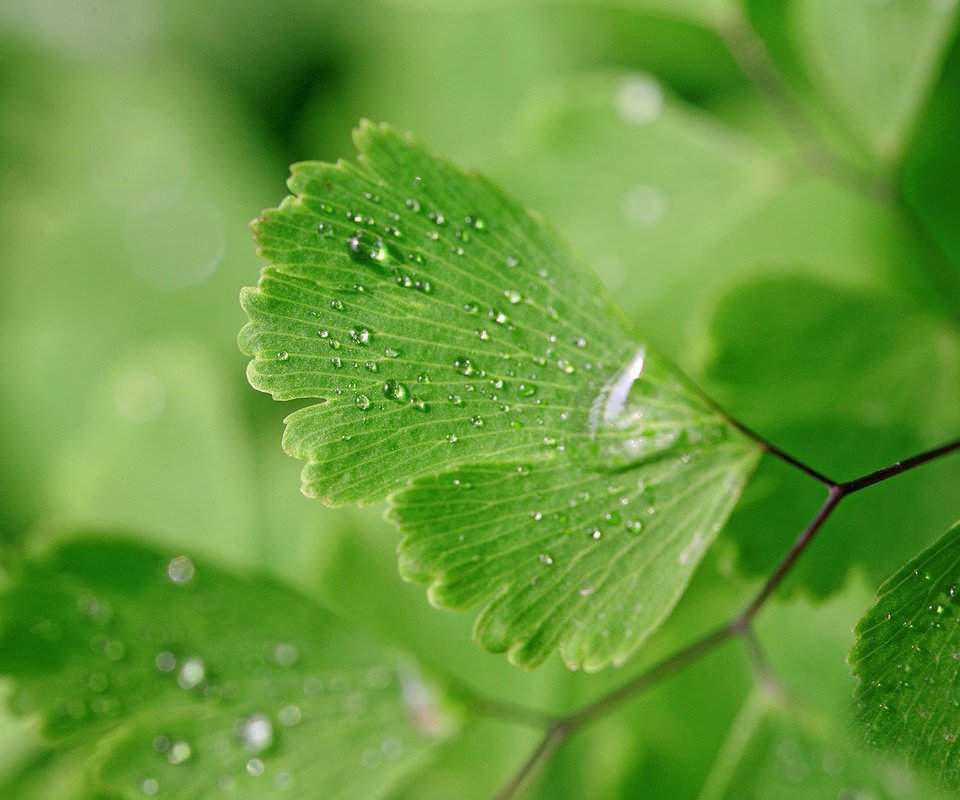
(394, 390)
(180, 570)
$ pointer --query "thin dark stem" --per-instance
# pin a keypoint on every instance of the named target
(563, 728)
(552, 739)
(783, 569)
(503, 709)
(761, 667)
(773, 450)
(899, 467)
(740, 626)
(656, 673)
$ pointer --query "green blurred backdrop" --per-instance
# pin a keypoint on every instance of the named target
(139, 137)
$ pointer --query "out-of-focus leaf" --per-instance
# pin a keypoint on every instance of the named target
(907, 657)
(706, 12)
(779, 748)
(162, 449)
(847, 382)
(196, 681)
(644, 184)
(440, 324)
(875, 61)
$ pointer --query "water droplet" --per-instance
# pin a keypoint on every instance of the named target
(179, 751)
(546, 559)
(391, 353)
(452, 438)
(371, 366)
(362, 401)
(394, 390)
(456, 399)
(639, 99)
(413, 204)
(334, 344)
(360, 336)
(255, 767)
(471, 308)
(289, 715)
(526, 389)
(181, 570)
(465, 366)
(511, 261)
(285, 654)
(476, 421)
(644, 205)
(150, 786)
(191, 673)
(282, 355)
(337, 363)
(336, 305)
(594, 533)
(254, 732)
(166, 661)
(513, 296)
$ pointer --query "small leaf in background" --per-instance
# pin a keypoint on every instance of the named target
(441, 325)
(844, 402)
(907, 657)
(196, 681)
(645, 185)
(876, 60)
(161, 448)
(779, 748)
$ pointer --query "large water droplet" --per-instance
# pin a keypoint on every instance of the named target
(180, 570)
(394, 390)
(644, 205)
(191, 673)
(255, 732)
(639, 99)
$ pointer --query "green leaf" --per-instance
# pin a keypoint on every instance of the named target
(443, 326)
(193, 680)
(779, 748)
(907, 657)
(667, 184)
(173, 402)
(843, 402)
(710, 13)
(581, 561)
(875, 61)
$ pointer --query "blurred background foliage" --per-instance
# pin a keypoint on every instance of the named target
(818, 298)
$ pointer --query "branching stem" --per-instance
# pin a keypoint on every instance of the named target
(750, 52)
(558, 730)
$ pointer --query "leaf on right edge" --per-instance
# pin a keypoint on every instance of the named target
(907, 657)
(875, 60)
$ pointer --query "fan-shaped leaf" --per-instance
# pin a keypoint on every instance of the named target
(444, 327)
